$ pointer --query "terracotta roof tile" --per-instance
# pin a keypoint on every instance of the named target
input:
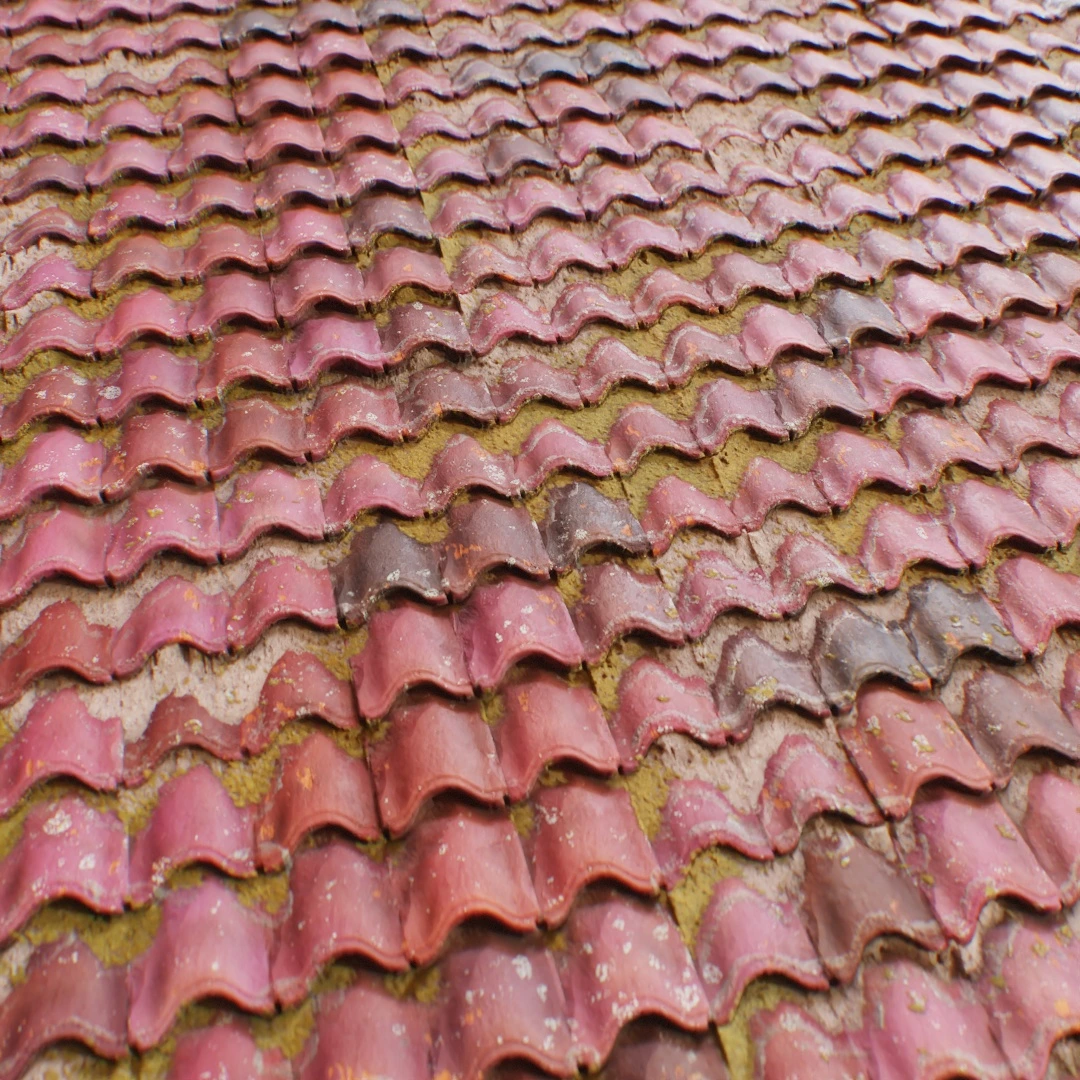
(335, 450)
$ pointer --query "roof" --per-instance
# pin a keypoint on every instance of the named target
(538, 538)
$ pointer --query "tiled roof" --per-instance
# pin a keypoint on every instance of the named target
(538, 539)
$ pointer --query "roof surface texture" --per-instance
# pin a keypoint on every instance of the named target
(537, 539)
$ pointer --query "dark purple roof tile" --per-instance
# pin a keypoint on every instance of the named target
(850, 647)
(853, 894)
(1005, 718)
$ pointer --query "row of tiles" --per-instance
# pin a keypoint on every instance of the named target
(840, 28)
(914, 1025)
(209, 945)
(61, 462)
(299, 230)
(719, 44)
(320, 50)
(487, 532)
(917, 1023)
(954, 854)
(943, 368)
(310, 285)
(807, 262)
(264, 92)
(434, 745)
(703, 222)
(897, 742)
(214, 145)
(374, 13)
(752, 677)
(929, 884)
(474, 646)
(338, 87)
(551, 103)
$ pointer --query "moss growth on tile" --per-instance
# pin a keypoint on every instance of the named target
(606, 672)
(735, 1039)
(265, 891)
(114, 939)
(431, 529)
(648, 789)
(523, 818)
(416, 984)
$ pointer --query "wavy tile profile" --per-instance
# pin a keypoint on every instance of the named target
(539, 539)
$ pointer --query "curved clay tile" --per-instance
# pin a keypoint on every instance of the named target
(753, 675)
(900, 741)
(585, 831)
(59, 639)
(788, 1039)
(195, 820)
(745, 935)
(1051, 826)
(229, 1047)
(1031, 989)
(462, 863)
(851, 647)
(297, 686)
(1005, 718)
(853, 894)
(66, 850)
(432, 746)
(645, 968)
(546, 720)
(383, 560)
(208, 944)
(919, 1025)
(802, 781)
(408, 645)
(654, 700)
(697, 816)
(579, 517)
(616, 601)
(972, 852)
(60, 737)
(944, 623)
(178, 721)
(512, 1005)
(173, 612)
(50, 1006)
(486, 533)
(503, 623)
(367, 1029)
(316, 785)
(325, 922)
